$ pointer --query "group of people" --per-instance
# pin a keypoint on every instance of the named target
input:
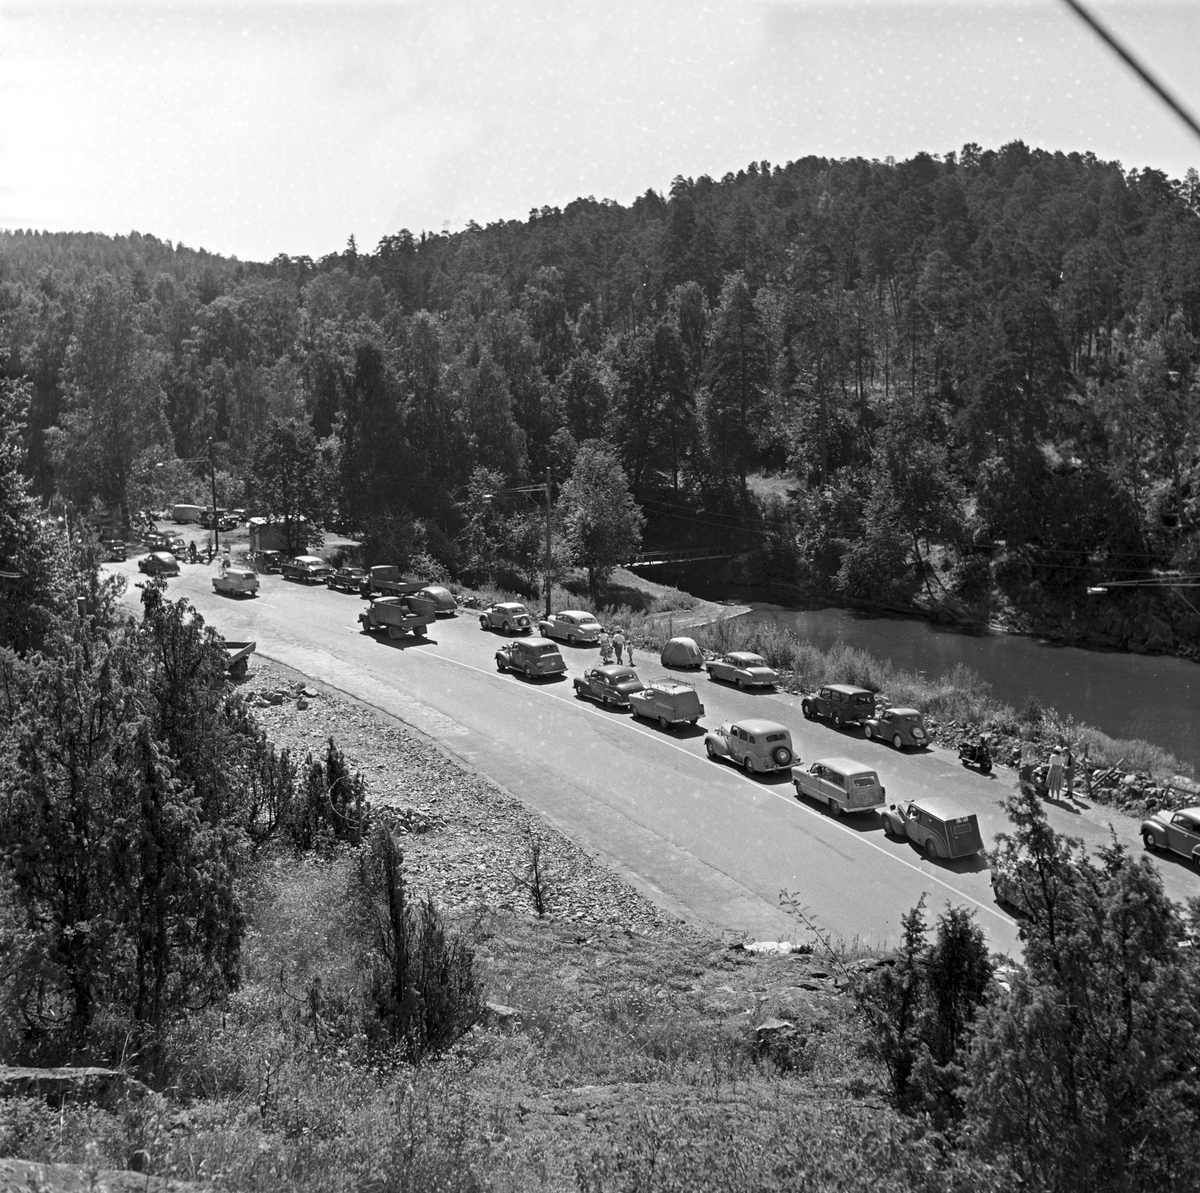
(614, 642)
(1060, 768)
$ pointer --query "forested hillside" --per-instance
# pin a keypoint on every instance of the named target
(969, 381)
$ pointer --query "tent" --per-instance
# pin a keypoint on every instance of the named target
(681, 652)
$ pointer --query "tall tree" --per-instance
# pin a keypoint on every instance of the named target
(286, 483)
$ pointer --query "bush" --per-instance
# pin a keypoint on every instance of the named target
(332, 805)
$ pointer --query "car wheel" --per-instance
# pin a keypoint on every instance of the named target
(530, 671)
(483, 623)
(1148, 840)
(889, 829)
(835, 808)
(898, 741)
(748, 764)
(710, 749)
(741, 685)
(499, 663)
(572, 640)
(868, 732)
(837, 720)
(807, 709)
(663, 723)
(931, 849)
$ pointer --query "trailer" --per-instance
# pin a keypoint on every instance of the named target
(385, 579)
(398, 615)
(237, 661)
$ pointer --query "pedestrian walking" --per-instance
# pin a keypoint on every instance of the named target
(618, 643)
(629, 652)
(606, 648)
(1054, 778)
(1069, 772)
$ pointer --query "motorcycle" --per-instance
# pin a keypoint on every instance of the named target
(975, 753)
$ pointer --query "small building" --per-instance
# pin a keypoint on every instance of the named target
(266, 535)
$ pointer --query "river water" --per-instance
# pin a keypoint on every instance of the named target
(1125, 695)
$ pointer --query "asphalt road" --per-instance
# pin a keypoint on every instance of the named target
(705, 841)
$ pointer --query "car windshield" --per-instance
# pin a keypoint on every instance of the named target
(751, 660)
(547, 649)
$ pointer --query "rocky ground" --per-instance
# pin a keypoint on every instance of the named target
(466, 842)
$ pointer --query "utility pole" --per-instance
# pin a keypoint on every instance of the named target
(548, 524)
(212, 466)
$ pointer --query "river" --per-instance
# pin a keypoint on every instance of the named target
(1125, 695)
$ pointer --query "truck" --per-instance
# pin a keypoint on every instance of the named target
(668, 701)
(237, 658)
(398, 615)
(386, 579)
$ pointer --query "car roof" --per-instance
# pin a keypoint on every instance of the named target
(758, 725)
(534, 640)
(611, 669)
(510, 605)
(742, 654)
(307, 559)
(575, 613)
(846, 766)
(239, 572)
(848, 689)
(942, 807)
(164, 555)
(904, 712)
(1192, 814)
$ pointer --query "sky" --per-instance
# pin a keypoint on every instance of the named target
(253, 129)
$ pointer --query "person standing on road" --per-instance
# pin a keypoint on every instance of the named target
(629, 652)
(1028, 760)
(606, 647)
(1069, 772)
(618, 643)
(1054, 778)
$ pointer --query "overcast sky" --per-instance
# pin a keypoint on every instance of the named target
(259, 128)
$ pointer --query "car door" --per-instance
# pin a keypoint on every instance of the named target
(810, 780)
(1182, 834)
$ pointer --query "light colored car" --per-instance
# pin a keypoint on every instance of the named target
(668, 701)
(743, 668)
(236, 582)
(1178, 832)
(571, 626)
(939, 826)
(755, 745)
(159, 563)
(443, 599)
(509, 617)
(308, 569)
(843, 784)
(901, 726)
(533, 657)
(610, 684)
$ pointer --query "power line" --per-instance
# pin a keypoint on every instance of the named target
(1134, 65)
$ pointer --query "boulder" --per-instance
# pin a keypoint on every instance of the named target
(76, 1178)
(68, 1083)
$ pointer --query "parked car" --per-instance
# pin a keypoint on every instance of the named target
(509, 617)
(159, 563)
(742, 668)
(840, 704)
(533, 657)
(939, 826)
(668, 701)
(238, 515)
(236, 581)
(610, 684)
(227, 522)
(571, 626)
(843, 784)
(346, 579)
(268, 561)
(901, 726)
(1178, 832)
(755, 745)
(308, 569)
(443, 599)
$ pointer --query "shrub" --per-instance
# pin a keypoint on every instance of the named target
(331, 806)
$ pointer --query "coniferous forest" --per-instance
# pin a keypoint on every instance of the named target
(967, 381)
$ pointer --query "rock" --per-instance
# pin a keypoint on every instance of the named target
(105, 1087)
(311, 693)
(273, 697)
(301, 704)
(772, 1027)
(501, 1013)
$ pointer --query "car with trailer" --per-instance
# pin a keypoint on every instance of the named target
(397, 616)
(159, 563)
(307, 569)
(842, 784)
(900, 726)
(939, 826)
(571, 626)
(668, 701)
(840, 704)
(532, 657)
(508, 617)
(346, 579)
(611, 684)
(758, 746)
(1176, 832)
(444, 601)
(236, 581)
(743, 668)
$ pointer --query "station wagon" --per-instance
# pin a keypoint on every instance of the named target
(843, 784)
